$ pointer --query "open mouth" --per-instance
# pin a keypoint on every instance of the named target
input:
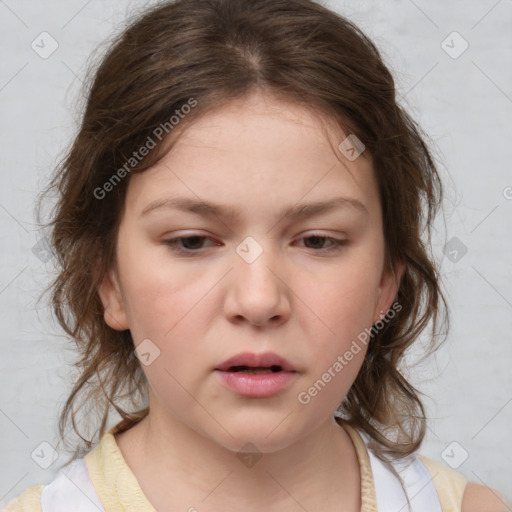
(257, 369)
(256, 376)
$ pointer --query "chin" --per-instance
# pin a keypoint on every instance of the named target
(260, 437)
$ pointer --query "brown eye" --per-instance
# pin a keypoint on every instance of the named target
(189, 245)
(317, 242)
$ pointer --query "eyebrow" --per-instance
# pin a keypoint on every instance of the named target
(297, 211)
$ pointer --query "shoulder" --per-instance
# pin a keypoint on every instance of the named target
(28, 501)
(457, 494)
(480, 498)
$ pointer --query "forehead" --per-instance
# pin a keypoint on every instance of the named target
(245, 126)
(258, 153)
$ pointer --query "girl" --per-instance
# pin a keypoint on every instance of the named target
(238, 230)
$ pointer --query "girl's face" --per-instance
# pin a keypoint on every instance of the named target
(245, 278)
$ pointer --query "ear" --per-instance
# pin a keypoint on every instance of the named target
(388, 289)
(113, 304)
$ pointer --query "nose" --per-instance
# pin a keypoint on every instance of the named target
(257, 292)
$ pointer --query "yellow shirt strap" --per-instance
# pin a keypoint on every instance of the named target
(450, 484)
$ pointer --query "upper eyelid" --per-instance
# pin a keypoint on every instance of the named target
(303, 235)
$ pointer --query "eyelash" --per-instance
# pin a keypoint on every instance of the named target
(337, 244)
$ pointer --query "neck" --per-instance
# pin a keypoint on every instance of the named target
(174, 464)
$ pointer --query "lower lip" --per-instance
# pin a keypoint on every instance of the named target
(258, 385)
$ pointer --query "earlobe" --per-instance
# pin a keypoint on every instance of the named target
(388, 289)
(113, 304)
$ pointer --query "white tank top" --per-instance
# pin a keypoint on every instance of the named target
(72, 486)
(417, 481)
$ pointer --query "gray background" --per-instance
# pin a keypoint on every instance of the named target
(464, 103)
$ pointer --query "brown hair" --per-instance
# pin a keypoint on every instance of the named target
(211, 52)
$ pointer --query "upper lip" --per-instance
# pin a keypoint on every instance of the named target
(263, 360)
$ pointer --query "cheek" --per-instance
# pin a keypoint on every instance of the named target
(172, 309)
(338, 344)
(158, 295)
(344, 298)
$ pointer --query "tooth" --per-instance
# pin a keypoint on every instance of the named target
(257, 370)
(251, 369)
